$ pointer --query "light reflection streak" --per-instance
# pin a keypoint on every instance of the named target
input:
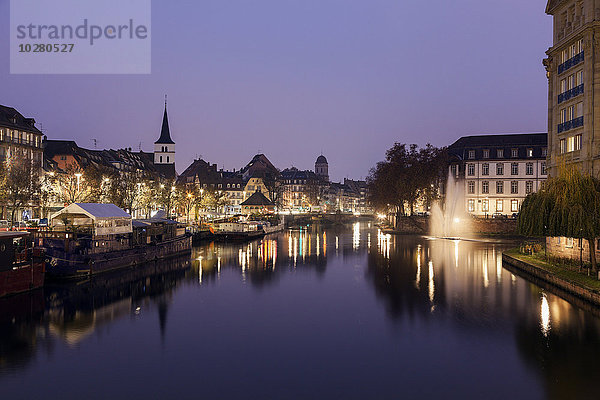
(431, 282)
(484, 263)
(545, 316)
(356, 236)
(498, 266)
(418, 278)
(456, 253)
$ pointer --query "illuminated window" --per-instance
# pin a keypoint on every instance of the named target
(471, 205)
(577, 142)
(471, 154)
(514, 205)
(485, 205)
(500, 153)
(563, 146)
(471, 187)
(544, 151)
(543, 168)
(471, 169)
(514, 153)
(529, 153)
(486, 153)
(499, 205)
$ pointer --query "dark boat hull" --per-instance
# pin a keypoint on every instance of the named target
(22, 279)
(238, 236)
(70, 266)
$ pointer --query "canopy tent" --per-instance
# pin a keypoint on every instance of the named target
(103, 219)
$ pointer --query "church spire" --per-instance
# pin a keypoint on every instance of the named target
(165, 134)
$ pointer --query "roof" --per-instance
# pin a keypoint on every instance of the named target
(100, 210)
(257, 199)
(259, 166)
(321, 160)
(165, 134)
(536, 141)
(13, 234)
(552, 4)
(11, 118)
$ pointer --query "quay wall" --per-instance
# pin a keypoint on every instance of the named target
(568, 290)
(420, 226)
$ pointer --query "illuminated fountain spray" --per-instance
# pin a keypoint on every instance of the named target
(451, 220)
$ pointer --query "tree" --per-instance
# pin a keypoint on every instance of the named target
(407, 175)
(77, 186)
(19, 183)
(567, 205)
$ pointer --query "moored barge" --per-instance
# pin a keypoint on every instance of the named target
(21, 264)
(89, 238)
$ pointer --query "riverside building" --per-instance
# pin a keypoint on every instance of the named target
(498, 171)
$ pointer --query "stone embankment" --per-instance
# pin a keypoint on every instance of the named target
(480, 226)
(576, 289)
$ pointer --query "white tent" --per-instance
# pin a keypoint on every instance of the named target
(104, 219)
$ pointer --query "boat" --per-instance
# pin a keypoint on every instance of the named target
(91, 238)
(21, 264)
(238, 231)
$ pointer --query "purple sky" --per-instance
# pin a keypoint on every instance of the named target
(297, 77)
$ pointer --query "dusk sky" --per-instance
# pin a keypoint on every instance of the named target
(294, 78)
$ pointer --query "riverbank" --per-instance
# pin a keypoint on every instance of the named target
(571, 285)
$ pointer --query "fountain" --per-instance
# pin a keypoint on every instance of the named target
(450, 220)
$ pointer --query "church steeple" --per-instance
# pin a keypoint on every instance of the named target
(164, 147)
(165, 134)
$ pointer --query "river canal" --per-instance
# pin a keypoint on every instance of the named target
(344, 313)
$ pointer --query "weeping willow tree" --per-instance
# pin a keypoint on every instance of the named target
(568, 205)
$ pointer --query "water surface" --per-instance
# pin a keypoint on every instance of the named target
(314, 313)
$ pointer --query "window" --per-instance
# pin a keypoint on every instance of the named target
(500, 153)
(529, 168)
(485, 169)
(569, 242)
(514, 187)
(160, 158)
(471, 154)
(514, 153)
(486, 153)
(544, 151)
(500, 187)
(563, 146)
(529, 187)
(471, 187)
(167, 158)
(471, 205)
(514, 168)
(485, 205)
(543, 168)
(485, 187)
(577, 142)
(499, 205)
(529, 153)
(453, 170)
(579, 78)
(571, 144)
(500, 169)
(514, 205)
(471, 169)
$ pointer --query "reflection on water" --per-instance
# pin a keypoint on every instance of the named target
(455, 293)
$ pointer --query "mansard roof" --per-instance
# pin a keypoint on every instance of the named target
(165, 134)
(11, 118)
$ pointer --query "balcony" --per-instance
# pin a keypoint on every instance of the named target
(21, 141)
(571, 62)
(572, 124)
(569, 94)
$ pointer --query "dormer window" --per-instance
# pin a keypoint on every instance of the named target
(486, 153)
(471, 154)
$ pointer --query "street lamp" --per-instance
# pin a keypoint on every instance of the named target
(78, 175)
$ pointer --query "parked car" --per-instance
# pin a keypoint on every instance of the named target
(515, 215)
(43, 222)
(499, 215)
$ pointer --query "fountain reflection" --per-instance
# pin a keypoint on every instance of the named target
(560, 342)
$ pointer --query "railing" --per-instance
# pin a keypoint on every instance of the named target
(26, 142)
(576, 91)
(571, 62)
(572, 124)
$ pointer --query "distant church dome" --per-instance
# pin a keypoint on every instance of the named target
(321, 160)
